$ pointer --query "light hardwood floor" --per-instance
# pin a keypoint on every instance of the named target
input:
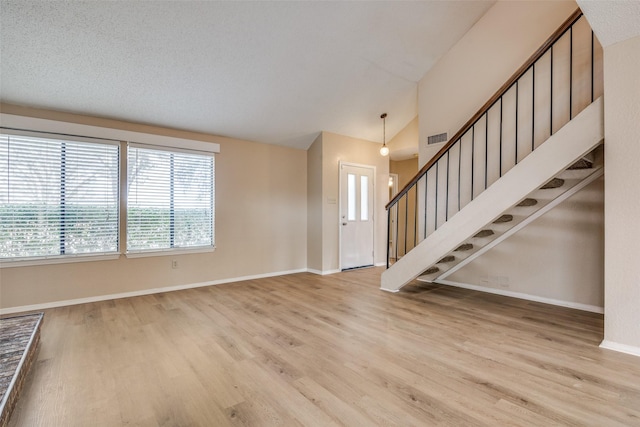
(326, 351)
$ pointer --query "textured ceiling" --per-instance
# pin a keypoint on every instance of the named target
(612, 20)
(273, 72)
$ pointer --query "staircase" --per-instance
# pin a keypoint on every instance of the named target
(483, 186)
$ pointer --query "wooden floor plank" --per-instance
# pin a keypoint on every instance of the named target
(309, 350)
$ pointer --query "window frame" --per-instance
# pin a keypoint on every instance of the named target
(67, 257)
(141, 253)
(75, 131)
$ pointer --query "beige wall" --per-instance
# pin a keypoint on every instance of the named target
(622, 194)
(314, 205)
(475, 68)
(406, 170)
(261, 227)
(337, 148)
(405, 144)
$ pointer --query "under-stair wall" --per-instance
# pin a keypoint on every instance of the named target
(557, 259)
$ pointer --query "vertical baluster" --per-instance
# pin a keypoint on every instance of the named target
(473, 155)
(436, 211)
(486, 147)
(500, 159)
(533, 107)
(388, 234)
(446, 205)
(397, 205)
(551, 90)
(516, 141)
(571, 72)
(406, 220)
(415, 217)
(592, 68)
(459, 167)
(426, 195)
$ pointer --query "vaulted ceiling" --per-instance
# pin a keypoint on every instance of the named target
(272, 72)
(613, 21)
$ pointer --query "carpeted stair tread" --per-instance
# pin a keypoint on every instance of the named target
(484, 233)
(554, 183)
(504, 218)
(581, 164)
(527, 202)
(431, 270)
(464, 247)
(448, 258)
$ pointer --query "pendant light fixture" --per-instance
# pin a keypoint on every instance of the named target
(384, 150)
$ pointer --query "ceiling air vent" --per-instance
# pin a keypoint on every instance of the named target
(437, 139)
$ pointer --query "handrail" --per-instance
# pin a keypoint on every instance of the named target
(577, 14)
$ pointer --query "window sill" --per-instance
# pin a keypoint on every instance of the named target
(57, 260)
(168, 252)
(110, 257)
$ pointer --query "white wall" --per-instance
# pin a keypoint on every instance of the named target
(261, 227)
(622, 195)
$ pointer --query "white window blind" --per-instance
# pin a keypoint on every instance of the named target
(170, 199)
(57, 197)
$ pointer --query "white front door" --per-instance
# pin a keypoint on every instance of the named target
(356, 216)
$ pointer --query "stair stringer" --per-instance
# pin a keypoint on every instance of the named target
(573, 141)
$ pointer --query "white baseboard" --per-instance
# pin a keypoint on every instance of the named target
(528, 297)
(321, 272)
(54, 304)
(380, 264)
(622, 348)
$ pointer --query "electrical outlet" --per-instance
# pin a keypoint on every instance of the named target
(174, 264)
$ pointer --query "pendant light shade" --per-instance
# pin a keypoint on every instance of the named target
(384, 150)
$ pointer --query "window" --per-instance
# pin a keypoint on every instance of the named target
(170, 199)
(364, 198)
(351, 197)
(61, 195)
(58, 197)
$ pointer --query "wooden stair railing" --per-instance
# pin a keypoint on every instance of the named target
(488, 145)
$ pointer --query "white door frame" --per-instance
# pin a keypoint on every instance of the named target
(374, 217)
